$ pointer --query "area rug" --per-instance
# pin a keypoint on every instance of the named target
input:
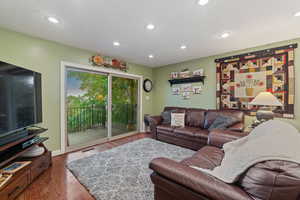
(123, 173)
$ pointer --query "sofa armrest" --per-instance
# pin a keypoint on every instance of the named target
(237, 127)
(153, 122)
(197, 181)
(218, 137)
(156, 119)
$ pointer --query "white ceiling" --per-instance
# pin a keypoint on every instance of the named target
(95, 24)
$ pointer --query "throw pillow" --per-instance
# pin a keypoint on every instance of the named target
(222, 122)
(177, 119)
(195, 118)
(166, 117)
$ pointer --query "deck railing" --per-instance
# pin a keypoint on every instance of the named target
(95, 116)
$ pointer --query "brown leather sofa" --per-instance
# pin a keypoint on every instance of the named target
(195, 134)
(269, 180)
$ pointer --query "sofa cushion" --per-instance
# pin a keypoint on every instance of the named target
(188, 131)
(202, 134)
(191, 133)
(178, 119)
(222, 122)
(195, 118)
(272, 180)
(166, 117)
(211, 116)
(207, 157)
(165, 133)
(165, 127)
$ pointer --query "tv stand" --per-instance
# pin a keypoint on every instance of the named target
(14, 137)
(11, 152)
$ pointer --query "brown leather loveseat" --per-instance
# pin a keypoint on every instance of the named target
(195, 133)
(269, 180)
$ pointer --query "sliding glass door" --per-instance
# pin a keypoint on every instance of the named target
(124, 105)
(99, 106)
(86, 105)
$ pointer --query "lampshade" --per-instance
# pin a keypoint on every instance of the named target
(265, 99)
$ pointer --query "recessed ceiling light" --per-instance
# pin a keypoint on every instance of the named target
(183, 47)
(151, 56)
(150, 26)
(297, 14)
(53, 20)
(225, 35)
(203, 2)
(116, 44)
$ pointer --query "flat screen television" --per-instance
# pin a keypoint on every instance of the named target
(20, 98)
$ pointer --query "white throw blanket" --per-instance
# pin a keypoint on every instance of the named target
(272, 140)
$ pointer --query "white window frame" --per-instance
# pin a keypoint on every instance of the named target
(102, 70)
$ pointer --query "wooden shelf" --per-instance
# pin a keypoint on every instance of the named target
(32, 134)
(187, 80)
(18, 152)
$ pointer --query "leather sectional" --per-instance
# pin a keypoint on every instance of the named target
(269, 180)
(195, 133)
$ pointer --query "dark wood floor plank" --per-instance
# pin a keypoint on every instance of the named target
(58, 183)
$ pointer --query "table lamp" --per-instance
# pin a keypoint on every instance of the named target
(266, 101)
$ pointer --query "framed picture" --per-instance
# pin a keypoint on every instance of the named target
(187, 88)
(197, 89)
(186, 95)
(176, 91)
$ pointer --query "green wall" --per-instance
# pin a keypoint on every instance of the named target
(162, 89)
(45, 57)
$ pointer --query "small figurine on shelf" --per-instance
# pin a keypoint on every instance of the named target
(185, 73)
(107, 61)
(123, 66)
(118, 64)
(115, 63)
(174, 75)
(97, 60)
(199, 72)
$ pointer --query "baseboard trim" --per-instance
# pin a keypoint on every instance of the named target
(59, 152)
(56, 153)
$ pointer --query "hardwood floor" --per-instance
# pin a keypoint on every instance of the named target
(58, 183)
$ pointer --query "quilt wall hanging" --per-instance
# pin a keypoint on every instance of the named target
(240, 78)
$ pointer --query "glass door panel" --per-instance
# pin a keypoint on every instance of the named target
(124, 105)
(86, 106)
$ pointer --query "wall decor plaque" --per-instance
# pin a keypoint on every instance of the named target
(106, 61)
